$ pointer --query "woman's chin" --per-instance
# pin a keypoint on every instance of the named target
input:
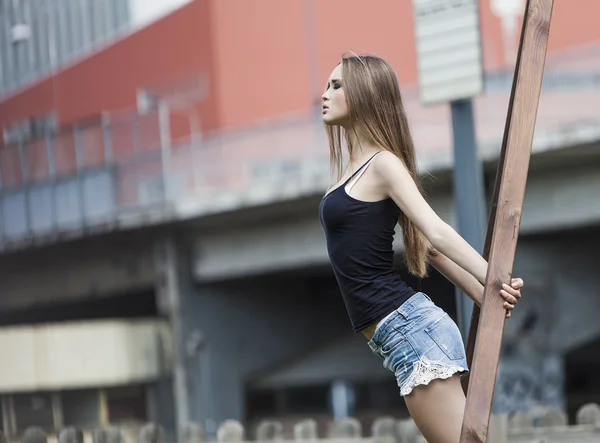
(329, 121)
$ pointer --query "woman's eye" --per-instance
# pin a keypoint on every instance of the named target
(337, 86)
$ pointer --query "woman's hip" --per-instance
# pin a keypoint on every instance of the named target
(419, 342)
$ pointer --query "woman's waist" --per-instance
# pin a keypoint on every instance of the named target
(366, 275)
(367, 289)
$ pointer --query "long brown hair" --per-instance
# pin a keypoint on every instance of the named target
(376, 114)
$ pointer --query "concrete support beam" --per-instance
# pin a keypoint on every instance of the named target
(555, 199)
(93, 267)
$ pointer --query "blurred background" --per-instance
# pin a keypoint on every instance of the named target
(161, 166)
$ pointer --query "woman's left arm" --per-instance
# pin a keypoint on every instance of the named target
(456, 258)
(469, 284)
(397, 183)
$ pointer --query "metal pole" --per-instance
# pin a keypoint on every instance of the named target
(469, 195)
(51, 177)
(107, 143)
(26, 185)
(106, 139)
(165, 146)
(79, 166)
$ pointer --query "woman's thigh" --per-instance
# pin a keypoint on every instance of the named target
(423, 347)
(438, 409)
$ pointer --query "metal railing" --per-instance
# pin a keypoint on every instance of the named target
(101, 172)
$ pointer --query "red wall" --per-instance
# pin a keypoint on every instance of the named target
(571, 26)
(177, 46)
(256, 55)
(263, 60)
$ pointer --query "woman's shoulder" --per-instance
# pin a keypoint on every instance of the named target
(387, 165)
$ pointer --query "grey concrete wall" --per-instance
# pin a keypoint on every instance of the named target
(251, 326)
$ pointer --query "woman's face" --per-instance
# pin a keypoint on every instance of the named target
(335, 108)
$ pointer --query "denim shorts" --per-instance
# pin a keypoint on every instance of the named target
(419, 342)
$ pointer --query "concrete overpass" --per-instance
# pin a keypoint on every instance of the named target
(248, 290)
(220, 238)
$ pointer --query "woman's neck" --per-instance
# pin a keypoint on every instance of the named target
(360, 146)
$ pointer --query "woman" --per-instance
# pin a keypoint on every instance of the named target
(417, 340)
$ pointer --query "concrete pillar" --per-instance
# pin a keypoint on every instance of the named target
(174, 288)
(206, 384)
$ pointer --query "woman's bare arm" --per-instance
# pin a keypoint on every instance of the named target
(456, 275)
(399, 185)
(469, 284)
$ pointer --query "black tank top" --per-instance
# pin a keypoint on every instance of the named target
(359, 243)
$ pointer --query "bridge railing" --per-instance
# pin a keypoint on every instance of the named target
(545, 425)
(129, 169)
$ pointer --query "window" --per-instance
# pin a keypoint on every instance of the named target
(36, 36)
(29, 129)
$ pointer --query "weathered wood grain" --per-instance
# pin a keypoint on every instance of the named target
(505, 217)
(492, 218)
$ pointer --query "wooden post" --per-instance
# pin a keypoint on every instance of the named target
(506, 216)
(492, 218)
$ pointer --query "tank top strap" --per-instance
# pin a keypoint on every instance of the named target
(361, 168)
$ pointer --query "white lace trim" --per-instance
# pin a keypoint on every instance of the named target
(425, 370)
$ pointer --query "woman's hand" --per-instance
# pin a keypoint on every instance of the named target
(511, 294)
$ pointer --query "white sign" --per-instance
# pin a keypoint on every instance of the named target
(448, 43)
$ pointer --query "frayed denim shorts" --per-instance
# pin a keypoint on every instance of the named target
(419, 342)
